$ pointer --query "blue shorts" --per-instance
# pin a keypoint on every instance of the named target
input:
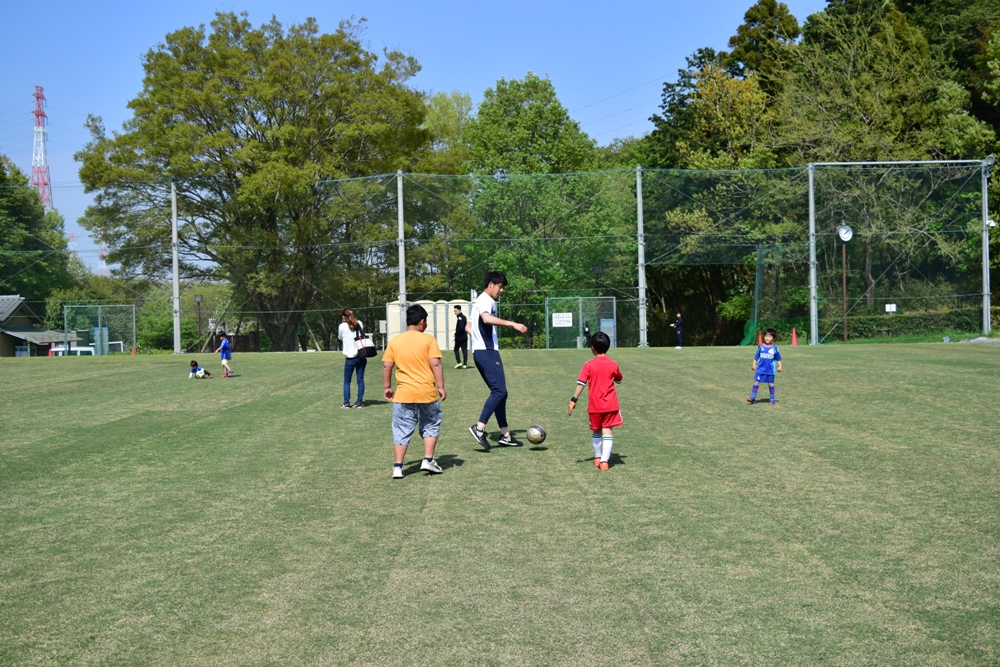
(764, 379)
(405, 417)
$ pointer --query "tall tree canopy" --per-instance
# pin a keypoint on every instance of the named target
(676, 119)
(33, 257)
(247, 121)
(521, 127)
(447, 116)
(864, 86)
(762, 41)
(959, 32)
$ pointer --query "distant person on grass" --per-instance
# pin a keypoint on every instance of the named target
(600, 375)
(227, 355)
(198, 372)
(486, 354)
(419, 389)
(678, 325)
(461, 339)
(764, 365)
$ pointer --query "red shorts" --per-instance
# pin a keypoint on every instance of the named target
(600, 420)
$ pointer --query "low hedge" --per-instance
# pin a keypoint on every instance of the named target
(886, 326)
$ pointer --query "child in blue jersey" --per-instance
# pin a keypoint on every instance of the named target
(764, 365)
(198, 372)
(227, 355)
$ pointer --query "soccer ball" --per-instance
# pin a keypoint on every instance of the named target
(536, 434)
(200, 374)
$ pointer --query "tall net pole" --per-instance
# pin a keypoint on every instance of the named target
(813, 292)
(401, 242)
(643, 341)
(177, 281)
(987, 319)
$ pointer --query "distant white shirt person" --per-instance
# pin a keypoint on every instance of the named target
(483, 322)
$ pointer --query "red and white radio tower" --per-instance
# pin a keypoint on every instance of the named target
(102, 255)
(40, 177)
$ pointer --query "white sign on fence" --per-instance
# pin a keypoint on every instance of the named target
(562, 319)
(890, 308)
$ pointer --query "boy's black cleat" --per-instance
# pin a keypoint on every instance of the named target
(751, 401)
(480, 437)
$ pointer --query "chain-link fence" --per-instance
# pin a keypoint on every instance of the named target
(730, 250)
(100, 329)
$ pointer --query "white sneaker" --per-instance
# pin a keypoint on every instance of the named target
(397, 472)
(678, 347)
(430, 466)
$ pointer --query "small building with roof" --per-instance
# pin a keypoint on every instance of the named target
(22, 331)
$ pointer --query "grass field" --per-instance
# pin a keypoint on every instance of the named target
(150, 520)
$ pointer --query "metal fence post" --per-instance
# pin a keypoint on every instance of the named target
(177, 280)
(401, 242)
(987, 309)
(643, 338)
(813, 295)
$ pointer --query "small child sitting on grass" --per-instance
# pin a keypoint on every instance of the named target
(198, 372)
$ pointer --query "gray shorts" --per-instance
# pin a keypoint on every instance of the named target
(406, 415)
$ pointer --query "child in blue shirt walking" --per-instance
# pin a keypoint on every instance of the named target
(764, 365)
(227, 355)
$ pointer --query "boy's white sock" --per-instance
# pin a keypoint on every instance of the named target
(606, 448)
(595, 439)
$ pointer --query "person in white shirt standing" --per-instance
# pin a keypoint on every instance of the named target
(348, 332)
(483, 322)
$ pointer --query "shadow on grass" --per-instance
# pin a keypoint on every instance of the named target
(370, 402)
(446, 462)
(615, 460)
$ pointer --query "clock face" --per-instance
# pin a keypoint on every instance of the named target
(845, 233)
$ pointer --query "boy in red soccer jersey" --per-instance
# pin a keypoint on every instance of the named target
(600, 375)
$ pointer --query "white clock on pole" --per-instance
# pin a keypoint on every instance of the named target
(845, 233)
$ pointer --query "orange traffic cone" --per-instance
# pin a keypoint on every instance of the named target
(795, 339)
(759, 339)
(133, 351)
(50, 352)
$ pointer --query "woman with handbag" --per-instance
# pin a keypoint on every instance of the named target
(357, 347)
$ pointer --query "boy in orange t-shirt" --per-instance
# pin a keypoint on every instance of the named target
(419, 389)
(600, 375)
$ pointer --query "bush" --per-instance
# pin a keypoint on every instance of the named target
(157, 332)
(884, 326)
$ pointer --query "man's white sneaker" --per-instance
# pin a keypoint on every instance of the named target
(397, 472)
(430, 466)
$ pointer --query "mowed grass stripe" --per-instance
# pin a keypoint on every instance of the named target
(848, 492)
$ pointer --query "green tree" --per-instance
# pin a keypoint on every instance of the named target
(522, 128)
(247, 122)
(863, 86)
(676, 118)
(959, 32)
(33, 254)
(762, 42)
(447, 116)
(729, 123)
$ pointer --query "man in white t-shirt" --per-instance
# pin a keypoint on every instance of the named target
(483, 322)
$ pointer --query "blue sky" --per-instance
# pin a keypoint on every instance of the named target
(607, 60)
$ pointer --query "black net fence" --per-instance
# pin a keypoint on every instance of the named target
(728, 250)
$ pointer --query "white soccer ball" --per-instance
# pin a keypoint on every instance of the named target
(536, 434)
(200, 374)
